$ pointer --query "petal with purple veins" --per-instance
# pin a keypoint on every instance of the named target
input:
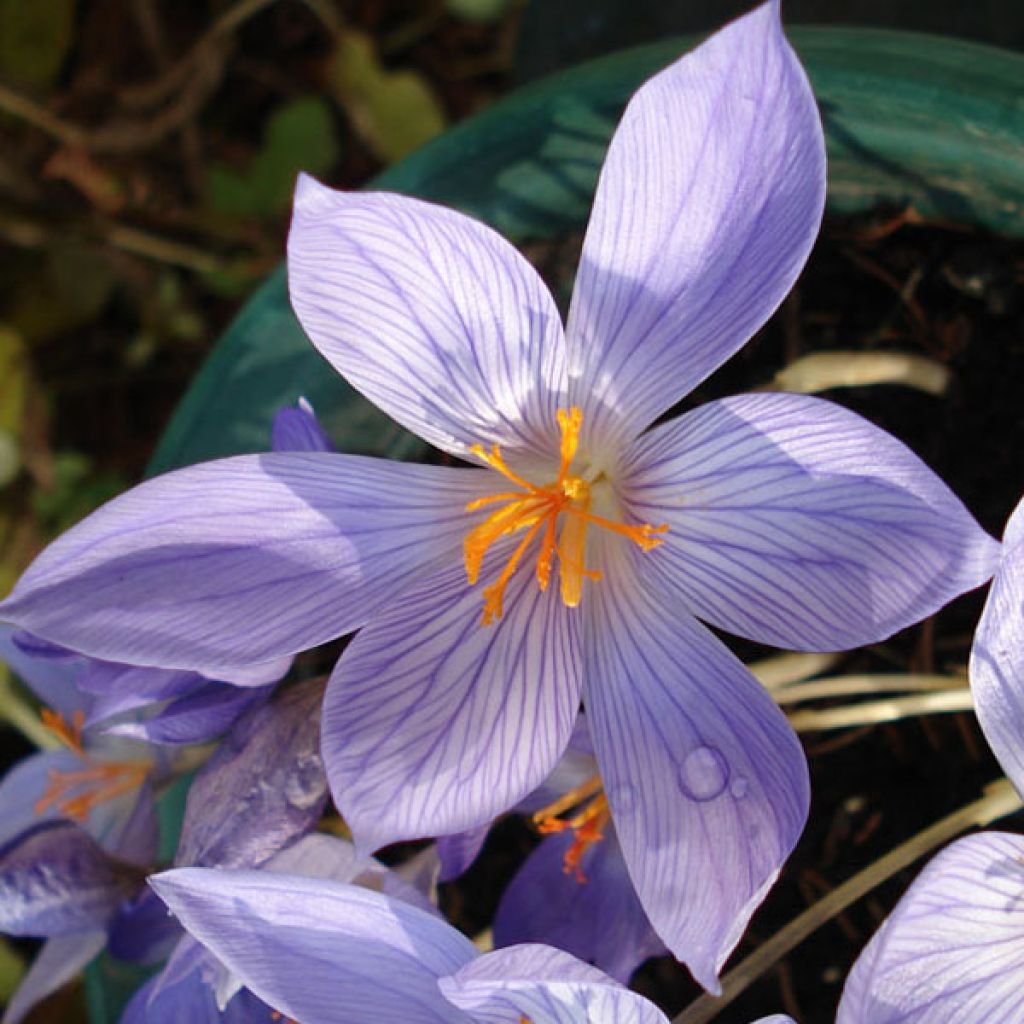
(232, 563)
(434, 723)
(707, 206)
(320, 951)
(296, 429)
(544, 986)
(997, 656)
(953, 948)
(794, 522)
(432, 315)
(706, 781)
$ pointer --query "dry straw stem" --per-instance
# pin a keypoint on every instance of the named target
(821, 371)
(874, 712)
(999, 800)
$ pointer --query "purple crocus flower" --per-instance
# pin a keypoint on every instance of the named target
(996, 667)
(327, 953)
(574, 891)
(577, 558)
(952, 950)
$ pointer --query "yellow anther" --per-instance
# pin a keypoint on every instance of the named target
(588, 824)
(536, 509)
(75, 794)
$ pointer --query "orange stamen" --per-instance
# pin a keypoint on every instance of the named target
(588, 825)
(98, 781)
(534, 507)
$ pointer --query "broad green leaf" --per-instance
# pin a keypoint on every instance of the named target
(299, 136)
(394, 111)
(34, 39)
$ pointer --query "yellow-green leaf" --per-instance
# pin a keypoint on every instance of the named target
(34, 38)
(394, 111)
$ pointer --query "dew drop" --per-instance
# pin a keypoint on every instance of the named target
(740, 787)
(623, 798)
(703, 774)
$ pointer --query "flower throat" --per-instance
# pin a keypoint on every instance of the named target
(536, 509)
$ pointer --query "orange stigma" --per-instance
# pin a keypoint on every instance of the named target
(588, 824)
(75, 794)
(536, 509)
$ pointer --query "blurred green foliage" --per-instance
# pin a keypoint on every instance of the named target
(300, 135)
(35, 36)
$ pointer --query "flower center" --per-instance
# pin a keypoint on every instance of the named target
(75, 794)
(588, 823)
(536, 509)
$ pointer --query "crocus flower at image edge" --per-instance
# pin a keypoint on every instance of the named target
(576, 558)
(328, 953)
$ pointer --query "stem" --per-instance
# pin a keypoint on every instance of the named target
(873, 712)
(16, 712)
(822, 371)
(783, 669)
(854, 685)
(999, 799)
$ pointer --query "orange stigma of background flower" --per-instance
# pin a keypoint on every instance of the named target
(75, 794)
(588, 823)
(536, 509)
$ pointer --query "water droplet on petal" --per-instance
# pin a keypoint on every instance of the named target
(740, 787)
(622, 798)
(703, 774)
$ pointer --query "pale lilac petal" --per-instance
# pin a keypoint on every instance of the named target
(457, 852)
(706, 780)
(296, 429)
(23, 787)
(193, 718)
(544, 986)
(795, 522)
(136, 836)
(56, 880)
(263, 674)
(263, 787)
(997, 656)
(707, 206)
(53, 675)
(320, 951)
(55, 965)
(236, 562)
(192, 1001)
(430, 314)
(434, 723)
(118, 689)
(600, 920)
(952, 951)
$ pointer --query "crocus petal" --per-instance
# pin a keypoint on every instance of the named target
(263, 787)
(23, 787)
(953, 949)
(434, 723)
(56, 964)
(430, 314)
(544, 986)
(706, 780)
(707, 206)
(320, 951)
(56, 880)
(298, 430)
(192, 1000)
(600, 920)
(230, 563)
(194, 718)
(457, 852)
(797, 523)
(997, 656)
(142, 931)
(54, 678)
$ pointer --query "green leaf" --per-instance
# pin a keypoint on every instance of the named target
(34, 39)
(12, 970)
(394, 111)
(299, 136)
